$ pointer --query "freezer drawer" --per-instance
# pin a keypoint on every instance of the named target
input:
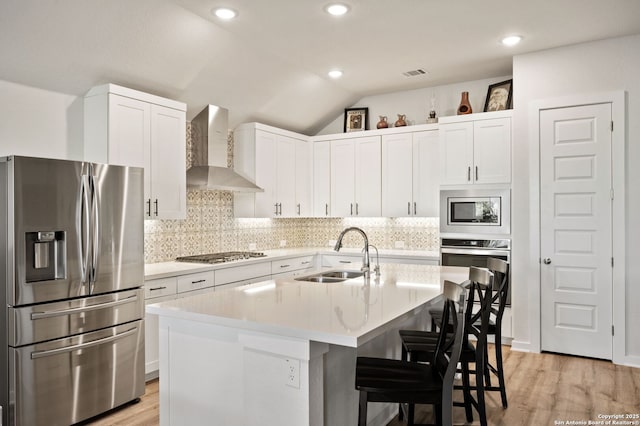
(31, 324)
(65, 381)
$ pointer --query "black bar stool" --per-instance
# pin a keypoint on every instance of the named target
(418, 345)
(388, 380)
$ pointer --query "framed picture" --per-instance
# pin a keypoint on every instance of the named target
(356, 119)
(499, 96)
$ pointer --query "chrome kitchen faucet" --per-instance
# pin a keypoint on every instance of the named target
(365, 257)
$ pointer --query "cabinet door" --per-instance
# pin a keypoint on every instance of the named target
(426, 174)
(129, 128)
(266, 155)
(397, 175)
(368, 167)
(168, 162)
(286, 176)
(303, 179)
(492, 150)
(343, 185)
(321, 179)
(456, 153)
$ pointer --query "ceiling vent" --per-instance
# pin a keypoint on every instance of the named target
(415, 73)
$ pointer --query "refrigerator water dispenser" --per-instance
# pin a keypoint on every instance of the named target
(45, 256)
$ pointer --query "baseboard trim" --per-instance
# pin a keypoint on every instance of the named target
(521, 346)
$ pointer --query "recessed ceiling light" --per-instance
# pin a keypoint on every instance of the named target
(225, 13)
(335, 73)
(337, 9)
(511, 40)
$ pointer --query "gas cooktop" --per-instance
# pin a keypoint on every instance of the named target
(227, 256)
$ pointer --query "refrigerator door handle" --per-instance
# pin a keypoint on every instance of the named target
(50, 352)
(85, 228)
(64, 312)
(95, 237)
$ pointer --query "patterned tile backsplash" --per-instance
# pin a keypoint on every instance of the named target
(210, 227)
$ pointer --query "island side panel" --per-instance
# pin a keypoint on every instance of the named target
(237, 377)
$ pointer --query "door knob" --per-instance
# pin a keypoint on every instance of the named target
(546, 260)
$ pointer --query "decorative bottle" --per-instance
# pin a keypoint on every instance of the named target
(465, 106)
(400, 121)
(382, 124)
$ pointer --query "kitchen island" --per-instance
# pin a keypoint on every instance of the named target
(282, 352)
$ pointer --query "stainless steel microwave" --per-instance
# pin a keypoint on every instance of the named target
(475, 211)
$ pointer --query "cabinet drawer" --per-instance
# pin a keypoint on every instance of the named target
(160, 287)
(195, 281)
(341, 260)
(241, 273)
(286, 265)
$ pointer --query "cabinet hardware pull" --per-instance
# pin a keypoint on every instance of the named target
(357, 213)
(149, 207)
(476, 173)
(306, 262)
(409, 207)
(415, 208)
(469, 174)
(351, 209)
(276, 212)
(326, 209)
(344, 261)
(298, 209)
(197, 282)
(156, 204)
(280, 209)
(157, 288)
(285, 266)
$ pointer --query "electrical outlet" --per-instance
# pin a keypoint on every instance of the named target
(399, 244)
(283, 243)
(252, 246)
(292, 372)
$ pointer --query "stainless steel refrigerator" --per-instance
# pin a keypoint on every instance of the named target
(72, 306)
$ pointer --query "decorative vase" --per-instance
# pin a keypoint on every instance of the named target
(400, 121)
(432, 117)
(465, 106)
(382, 124)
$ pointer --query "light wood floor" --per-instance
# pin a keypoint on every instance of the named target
(541, 388)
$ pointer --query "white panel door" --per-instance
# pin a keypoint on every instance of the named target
(397, 175)
(343, 183)
(368, 202)
(576, 248)
(168, 158)
(321, 179)
(426, 171)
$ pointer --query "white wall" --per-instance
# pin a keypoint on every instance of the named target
(602, 66)
(416, 104)
(40, 123)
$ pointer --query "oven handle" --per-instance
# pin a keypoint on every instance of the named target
(41, 354)
(51, 314)
(483, 252)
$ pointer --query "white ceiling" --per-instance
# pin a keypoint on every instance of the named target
(270, 63)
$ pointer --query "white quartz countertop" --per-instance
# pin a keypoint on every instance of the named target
(347, 313)
(167, 269)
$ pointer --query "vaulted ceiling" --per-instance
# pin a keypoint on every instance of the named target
(270, 64)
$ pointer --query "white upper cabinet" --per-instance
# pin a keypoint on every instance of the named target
(410, 179)
(477, 151)
(131, 128)
(322, 179)
(356, 177)
(279, 163)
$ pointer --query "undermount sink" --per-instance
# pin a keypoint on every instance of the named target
(331, 276)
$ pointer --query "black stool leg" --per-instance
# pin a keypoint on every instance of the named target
(466, 391)
(482, 413)
(501, 383)
(362, 411)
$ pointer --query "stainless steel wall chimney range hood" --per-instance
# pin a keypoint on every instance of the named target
(209, 131)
